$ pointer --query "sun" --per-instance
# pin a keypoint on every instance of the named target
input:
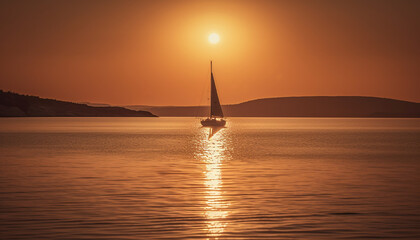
(214, 38)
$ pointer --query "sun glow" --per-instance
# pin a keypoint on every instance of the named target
(214, 38)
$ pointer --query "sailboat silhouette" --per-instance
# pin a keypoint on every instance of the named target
(216, 114)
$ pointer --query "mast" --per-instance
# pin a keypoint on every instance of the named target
(211, 78)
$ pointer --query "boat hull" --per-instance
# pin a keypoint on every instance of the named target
(212, 122)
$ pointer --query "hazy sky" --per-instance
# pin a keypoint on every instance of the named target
(157, 52)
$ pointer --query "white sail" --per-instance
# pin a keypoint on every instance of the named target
(215, 108)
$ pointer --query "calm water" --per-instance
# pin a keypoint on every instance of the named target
(281, 178)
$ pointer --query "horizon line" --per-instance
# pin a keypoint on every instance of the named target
(149, 105)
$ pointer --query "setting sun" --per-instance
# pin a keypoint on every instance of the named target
(214, 38)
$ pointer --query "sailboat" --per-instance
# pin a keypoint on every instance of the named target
(216, 114)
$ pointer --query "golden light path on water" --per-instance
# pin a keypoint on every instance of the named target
(213, 154)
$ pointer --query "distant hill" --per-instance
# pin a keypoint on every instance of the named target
(16, 105)
(318, 106)
(96, 104)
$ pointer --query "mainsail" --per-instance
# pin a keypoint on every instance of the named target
(215, 108)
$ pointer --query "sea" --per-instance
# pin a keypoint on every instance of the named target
(170, 178)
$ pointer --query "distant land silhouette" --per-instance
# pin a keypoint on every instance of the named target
(316, 106)
(17, 105)
(96, 104)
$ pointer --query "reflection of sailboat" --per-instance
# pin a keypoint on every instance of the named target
(216, 113)
(213, 130)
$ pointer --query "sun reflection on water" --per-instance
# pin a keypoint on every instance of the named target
(212, 153)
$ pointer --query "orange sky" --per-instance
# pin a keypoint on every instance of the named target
(157, 52)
